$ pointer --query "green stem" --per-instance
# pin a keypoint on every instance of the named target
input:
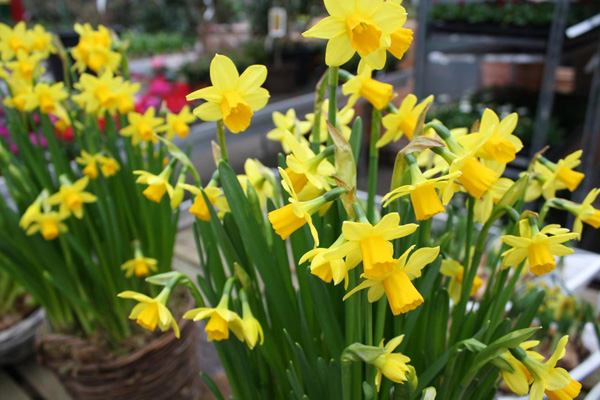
(333, 83)
(221, 139)
(320, 95)
(373, 163)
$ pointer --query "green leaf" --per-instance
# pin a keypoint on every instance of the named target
(212, 386)
(356, 138)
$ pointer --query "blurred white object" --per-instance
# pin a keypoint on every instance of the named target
(101, 6)
(277, 22)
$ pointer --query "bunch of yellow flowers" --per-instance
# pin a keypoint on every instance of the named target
(274, 245)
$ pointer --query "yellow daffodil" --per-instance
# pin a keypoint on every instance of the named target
(41, 41)
(98, 94)
(50, 224)
(455, 271)
(108, 166)
(485, 204)
(93, 50)
(288, 122)
(423, 195)
(260, 177)
(152, 312)
(584, 212)
(21, 92)
(253, 332)
(90, 161)
(520, 378)
(199, 207)
(178, 124)
(291, 217)
(124, 96)
(26, 66)
(374, 243)
(139, 265)
(47, 97)
(358, 26)
(405, 121)
(391, 365)
(396, 283)
(400, 42)
(142, 126)
(34, 211)
(72, 197)
(233, 98)
(569, 392)
(221, 319)
(560, 175)
(377, 93)
(501, 146)
(332, 268)
(547, 378)
(475, 177)
(538, 247)
(158, 185)
(306, 167)
(343, 119)
(13, 40)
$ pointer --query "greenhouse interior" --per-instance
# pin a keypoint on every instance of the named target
(299, 199)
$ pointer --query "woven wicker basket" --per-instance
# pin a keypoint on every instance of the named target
(166, 368)
(17, 342)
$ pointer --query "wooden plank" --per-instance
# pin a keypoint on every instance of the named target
(42, 380)
(10, 390)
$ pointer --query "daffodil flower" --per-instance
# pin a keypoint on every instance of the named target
(404, 121)
(253, 332)
(485, 205)
(199, 207)
(391, 365)
(26, 66)
(287, 122)
(178, 124)
(374, 243)
(94, 50)
(90, 163)
(49, 223)
(545, 377)
(41, 41)
(98, 94)
(34, 211)
(139, 265)
(158, 185)
(72, 197)
(21, 93)
(14, 40)
(538, 247)
(233, 98)
(396, 284)
(584, 212)
(124, 96)
(260, 177)
(501, 145)
(455, 271)
(377, 93)
(561, 175)
(423, 195)
(400, 42)
(152, 312)
(343, 119)
(47, 98)
(304, 166)
(109, 166)
(221, 319)
(142, 126)
(334, 267)
(520, 378)
(291, 217)
(358, 26)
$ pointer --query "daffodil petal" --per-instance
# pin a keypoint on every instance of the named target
(253, 77)
(339, 50)
(223, 73)
(208, 112)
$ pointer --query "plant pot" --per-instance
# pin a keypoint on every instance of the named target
(165, 368)
(17, 342)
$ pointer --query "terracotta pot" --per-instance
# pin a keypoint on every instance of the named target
(166, 368)
(17, 342)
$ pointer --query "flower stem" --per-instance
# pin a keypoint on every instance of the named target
(320, 95)
(333, 83)
(373, 161)
(221, 139)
